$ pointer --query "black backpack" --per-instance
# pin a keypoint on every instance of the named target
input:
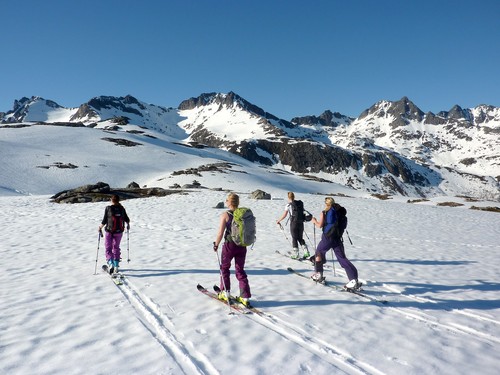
(338, 228)
(116, 219)
(297, 211)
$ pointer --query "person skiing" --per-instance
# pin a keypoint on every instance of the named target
(296, 211)
(327, 221)
(115, 217)
(230, 251)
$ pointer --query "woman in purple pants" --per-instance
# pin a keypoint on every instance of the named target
(229, 252)
(328, 219)
(115, 218)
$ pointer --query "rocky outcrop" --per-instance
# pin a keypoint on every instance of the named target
(327, 118)
(101, 192)
(260, 194)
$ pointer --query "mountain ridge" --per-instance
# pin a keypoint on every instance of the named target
(392, 147)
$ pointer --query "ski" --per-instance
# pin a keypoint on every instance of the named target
(361, 294)
(308, 278)
(116, 277)
(338, 289)
(234, 301)
(234, 306)
(290, 257)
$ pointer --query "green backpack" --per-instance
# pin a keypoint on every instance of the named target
(243, 228)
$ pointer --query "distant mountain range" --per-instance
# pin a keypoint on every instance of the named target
(392, 147)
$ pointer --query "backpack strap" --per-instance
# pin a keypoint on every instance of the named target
(227, 233)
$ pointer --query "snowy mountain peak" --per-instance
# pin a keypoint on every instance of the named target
(228, 101)
(105, 107)
(393, 147)
(402, 111)
(327, 118)
(456, 113)
(37, 108)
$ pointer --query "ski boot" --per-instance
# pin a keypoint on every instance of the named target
(353, 285)
(223, 295)
(111, 267)
(318, 277)
(295, 253)
(306, 252)
(244, 301)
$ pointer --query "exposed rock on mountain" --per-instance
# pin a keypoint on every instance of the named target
(392, 147)
(327, 118)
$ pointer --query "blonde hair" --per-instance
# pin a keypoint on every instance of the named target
(291, 195)
(329, 201)
(233, 200)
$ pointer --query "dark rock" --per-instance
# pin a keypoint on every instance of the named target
(101, 192)
(259, 194)
(133, 185)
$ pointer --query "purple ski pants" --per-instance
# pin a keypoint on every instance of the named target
(112, 245)
(338, 248)
(229, 252)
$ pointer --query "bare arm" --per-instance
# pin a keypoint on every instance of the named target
(319, 223)
(282, 216)
(224, 218)
(287, 211)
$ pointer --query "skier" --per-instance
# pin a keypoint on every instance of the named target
(327, 220)
(229, 251)
(296, 211)
(115, 217)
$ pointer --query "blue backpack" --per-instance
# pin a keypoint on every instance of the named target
(336, 222)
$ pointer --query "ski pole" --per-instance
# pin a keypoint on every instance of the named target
(128, 246)
(309, 239)
(283, 230)
(314, 232)
(348, 236)
(223, 282)
(97, 255)
(333, 263)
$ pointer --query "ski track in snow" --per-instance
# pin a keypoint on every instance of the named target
(160, 325)
(193, 362)
(335, 356)
(426, 318)
(152, 317)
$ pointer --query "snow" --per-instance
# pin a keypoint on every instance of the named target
(235, 125)
(437, 267)
(40, 110)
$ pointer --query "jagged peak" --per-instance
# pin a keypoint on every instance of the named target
(456, 113)
(204, 99)
(405, 107)
(25, 102)
(403, 110)
(231, 99)
(327, 118)
(103, 101)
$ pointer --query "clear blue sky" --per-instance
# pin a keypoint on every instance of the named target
(292, 58)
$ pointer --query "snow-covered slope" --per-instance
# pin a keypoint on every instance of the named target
(466, 142)
(437, 266)
(46, 159)
(392, 147)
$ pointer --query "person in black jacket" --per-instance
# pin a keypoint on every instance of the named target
(115, 217)
(296, 211)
